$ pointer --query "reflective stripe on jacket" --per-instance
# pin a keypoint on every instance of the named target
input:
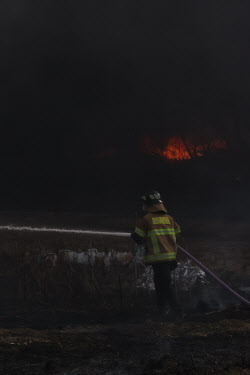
(158, 231)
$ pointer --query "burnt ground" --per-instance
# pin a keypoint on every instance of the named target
(44, 334)
(214, 343)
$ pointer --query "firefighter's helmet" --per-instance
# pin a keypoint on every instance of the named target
(153, 197)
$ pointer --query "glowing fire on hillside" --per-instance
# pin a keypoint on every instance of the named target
(178, 148)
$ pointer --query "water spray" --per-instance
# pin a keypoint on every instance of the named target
(123, 234)
(62, 230)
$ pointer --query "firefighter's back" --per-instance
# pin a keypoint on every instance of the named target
(161, 236)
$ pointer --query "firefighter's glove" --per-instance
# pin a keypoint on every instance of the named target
(138, 239)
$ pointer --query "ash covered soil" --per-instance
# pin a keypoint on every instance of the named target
(38, 336)
(214, 343)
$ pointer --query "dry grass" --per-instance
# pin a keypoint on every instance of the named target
(30, 276)
(35, 274)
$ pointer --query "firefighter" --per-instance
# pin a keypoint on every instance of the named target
(157, 231)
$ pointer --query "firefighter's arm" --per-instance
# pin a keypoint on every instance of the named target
(178, 234)
(177, 229)
(140, 232)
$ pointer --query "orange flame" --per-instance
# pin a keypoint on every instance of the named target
(179, 149)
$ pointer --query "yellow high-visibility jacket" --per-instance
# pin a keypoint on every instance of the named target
(158, 231)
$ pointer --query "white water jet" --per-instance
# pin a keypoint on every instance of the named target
(62, 230)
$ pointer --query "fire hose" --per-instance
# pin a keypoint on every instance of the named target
(207, 271)
(123, 234)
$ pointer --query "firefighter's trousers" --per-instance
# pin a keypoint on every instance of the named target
(165, 293)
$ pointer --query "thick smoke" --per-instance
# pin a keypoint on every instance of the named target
(80, 78)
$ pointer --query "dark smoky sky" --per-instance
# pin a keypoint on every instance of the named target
(81, 76)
